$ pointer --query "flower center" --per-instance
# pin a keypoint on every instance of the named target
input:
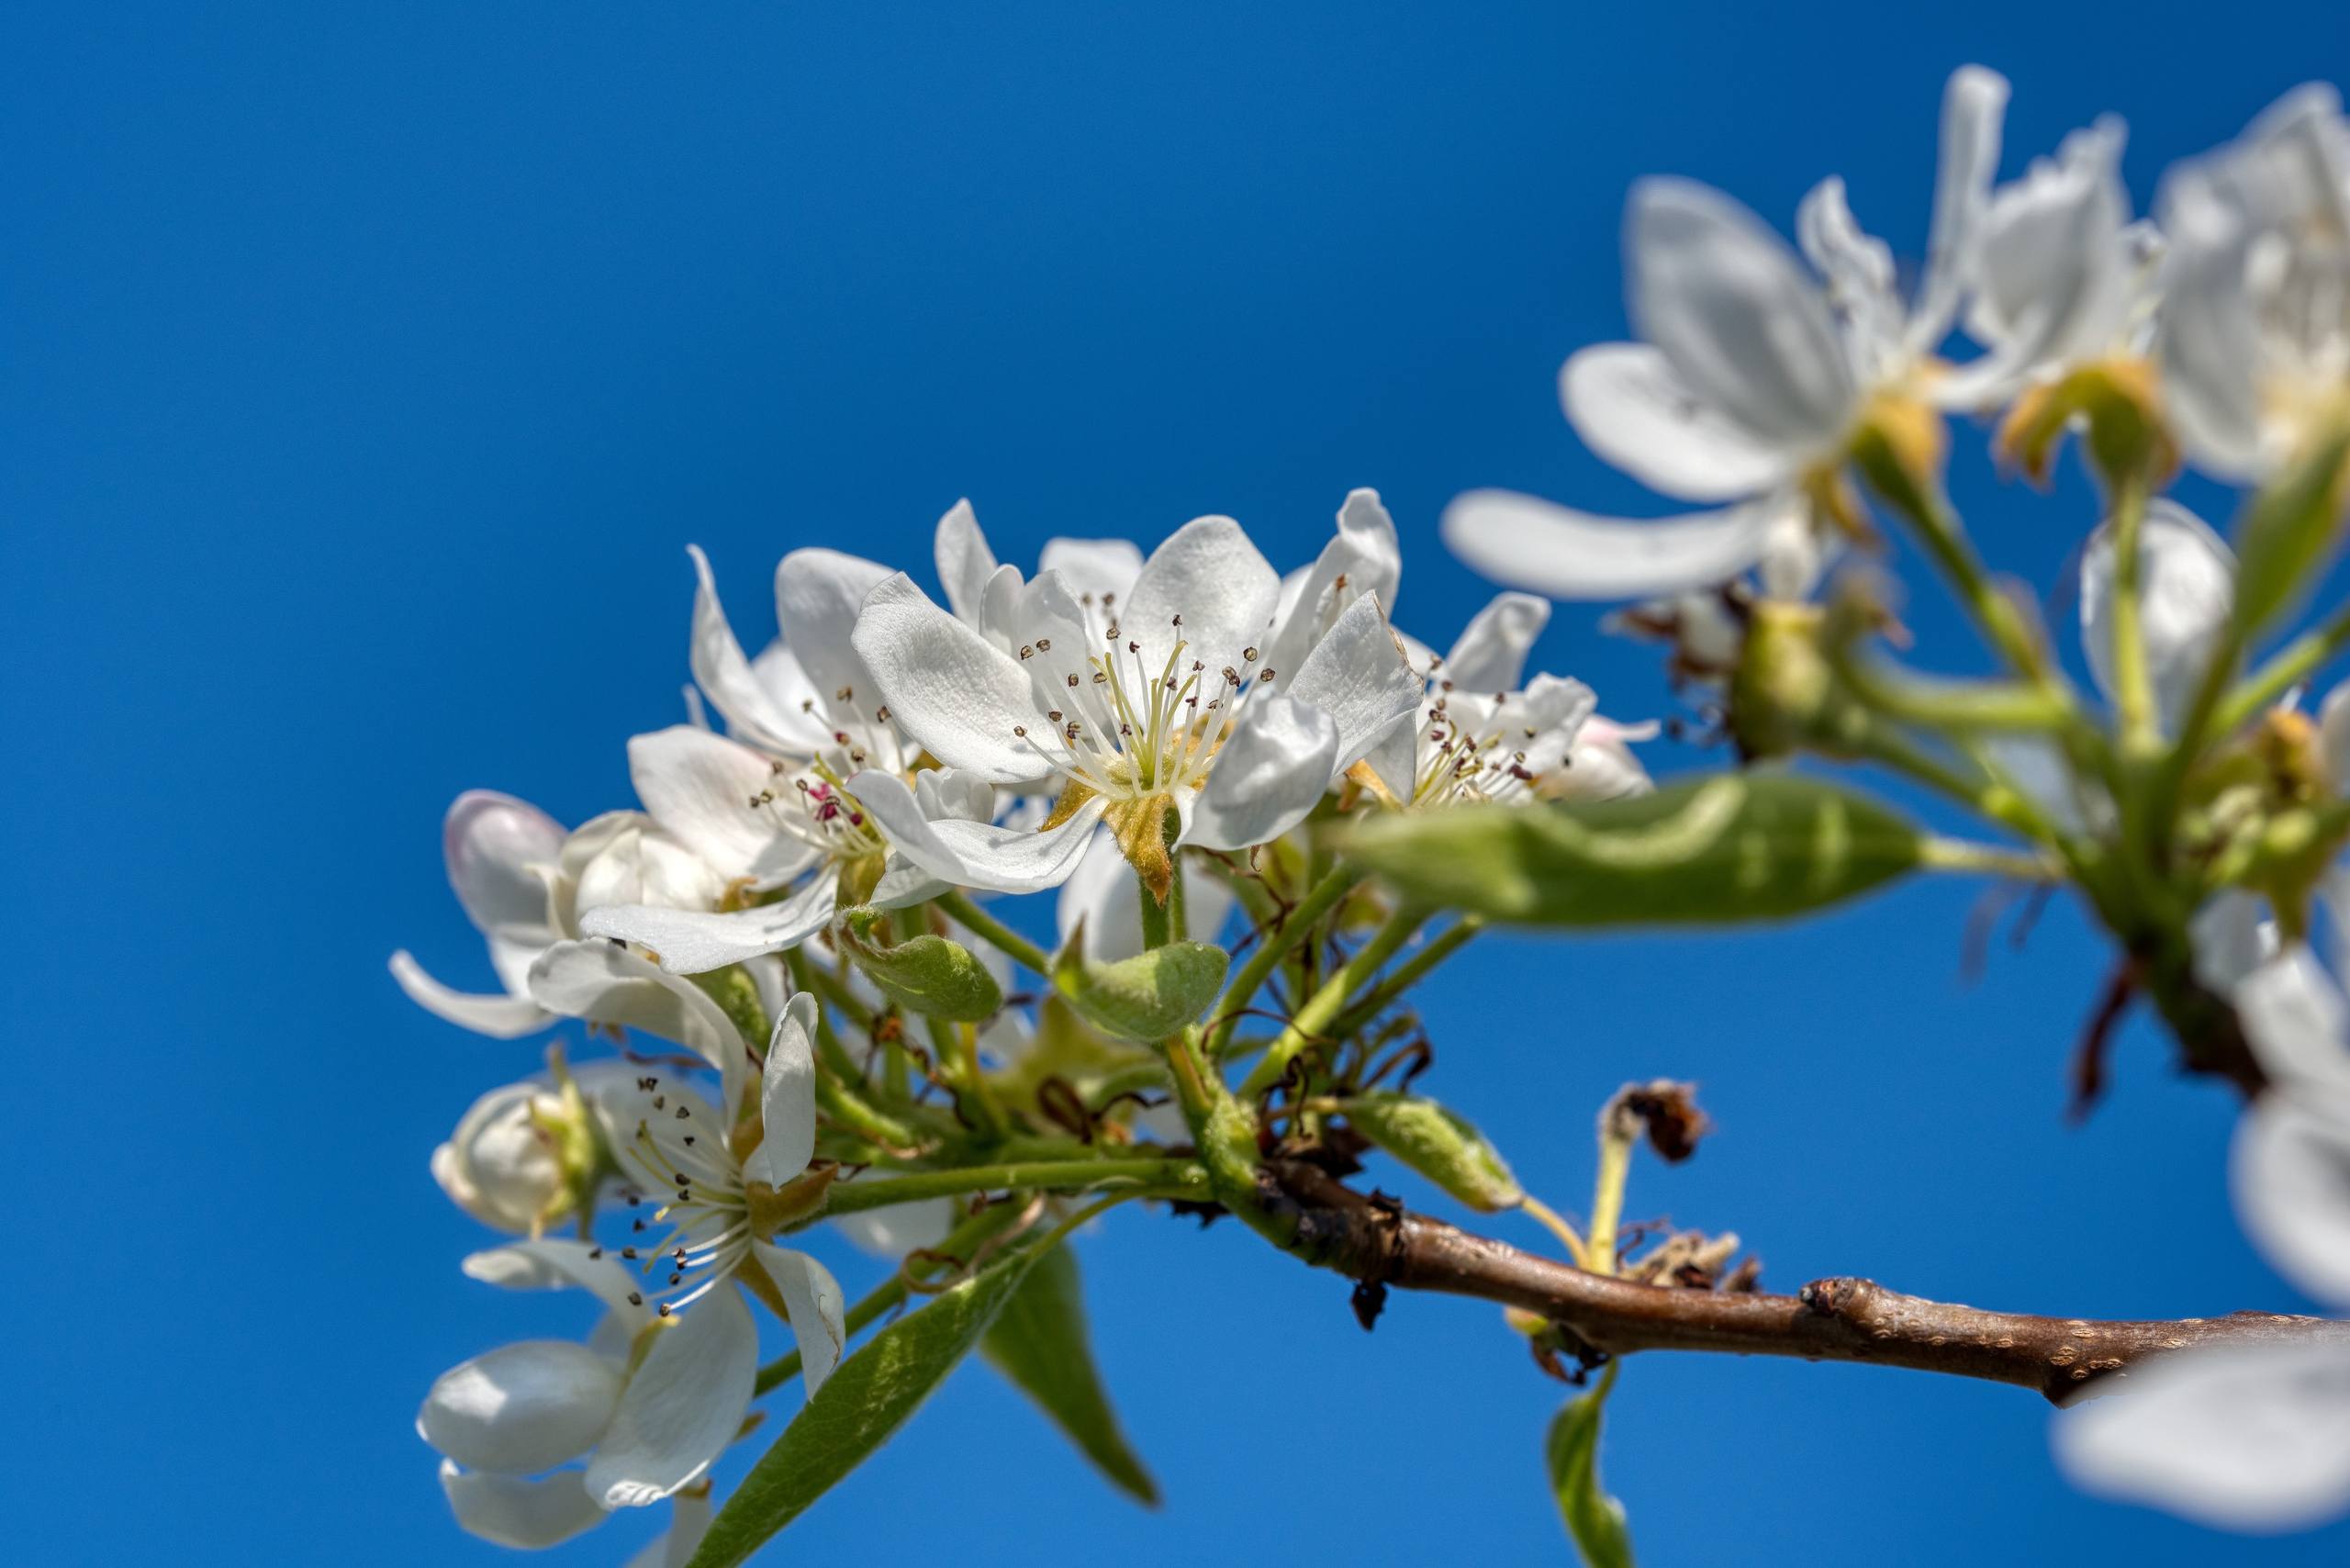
(707, 1215)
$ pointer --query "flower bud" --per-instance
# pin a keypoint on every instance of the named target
(520, 1157)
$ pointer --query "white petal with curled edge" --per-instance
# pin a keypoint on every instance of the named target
(682, 1406)
(607, 984)
(2206, 332)
(788, 1096)
(812, 1298)
(521, 1408)
(554, 1263)
(1973, 104)
(1857, 264)
(499, 1017)
(2187, 589)
(1095, 566)
(1208, 573)
(950, 688)
(513, 1511)
(501, 853)
(965, 563)
(751, 710)
(701, 787)
(1541, 545)
(1272, 772)
(2256, 1438)
(975, 854)
(694, 942)
(1490, 654)
(2297, 1021)
(1632, 409)
(1746, 329)
(1362, 558)
(818, 595)
(949, 794)
(1360, 676)
(2291, 1169)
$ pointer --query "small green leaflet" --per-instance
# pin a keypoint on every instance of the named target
(1762, 845)
(1039, 1342)
(1437, 1144)
(925, 974)
(1594, 1518)
(860, 1407)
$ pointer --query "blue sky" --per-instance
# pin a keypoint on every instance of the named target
(364, 372)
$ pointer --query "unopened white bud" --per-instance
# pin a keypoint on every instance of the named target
(507, 1164)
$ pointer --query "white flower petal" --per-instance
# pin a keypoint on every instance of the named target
(499, 1017)
(1857, 265)
(2231, 940)
(512, 1511)
(1364, 557)
(965, 561)
(2207, 330)
(1274, 767)
(812, 1299)
(1095, 566)
(1745, 328)
(2292, 1184)
(682, 1406)
(1551, 550)
(788, 1096)
(2248, 1439)
(501, 853)
(522, 1407)
(549, 1262)
(1490, 655)
(2186, 588)
(1361, 677)
(2052, 268)
(1632, 409)
(2334, 737)
(950, 688)
(2297, 1021)
(818, 596)
(1600, 765)
(975, 854)
(1208, 573)
(701, 788)
(750, 707)
(607, 984)
(694, 942)
(1973, 104)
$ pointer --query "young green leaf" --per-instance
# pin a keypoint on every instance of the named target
(1440, 1146)
(1039, 1342)
(1144, 998)
(925, 974)
(1723, 850)
(860, 1406)
(1594, 1518)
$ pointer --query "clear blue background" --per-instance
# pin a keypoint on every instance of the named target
(364, 371)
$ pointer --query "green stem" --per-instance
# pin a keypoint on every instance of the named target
(958, 1243)
(2290, 664)
(1408, 973)
(1273, 944)
(987, 928)
(1179, 1178)
(1960, 855)
(810, 975)
(2134, 683)
(1618, 1131)
(1312, 1022)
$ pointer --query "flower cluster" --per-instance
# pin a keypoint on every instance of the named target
(1093, 729)
(1182, 742)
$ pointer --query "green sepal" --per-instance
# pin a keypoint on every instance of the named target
(1144, 998)
(1725, 850)
(926, 974)
(1437, 1144)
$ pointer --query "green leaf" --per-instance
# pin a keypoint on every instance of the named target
(1594, 1518)
(860, 1407)
(1039, 1342)
(1144, 998)
(2285, 536)
(925, 974)
(1439, 1145)
(1717, 851)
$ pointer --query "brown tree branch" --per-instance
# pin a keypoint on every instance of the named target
(1377, 1243)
